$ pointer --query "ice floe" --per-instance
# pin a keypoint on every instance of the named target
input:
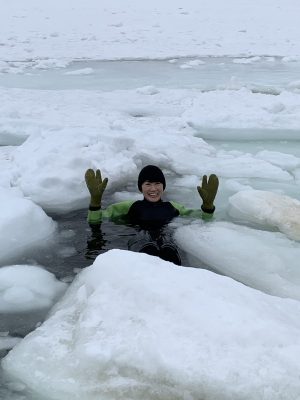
(267, 210)
(267, 261)
(28, 287)
(23, 225)
(134, 326)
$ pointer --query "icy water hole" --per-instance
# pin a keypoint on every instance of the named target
(77, 245)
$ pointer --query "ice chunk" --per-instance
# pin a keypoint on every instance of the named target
(65, 156)
(149, 90)
(283, 160)
(11, 134)
(230, 165)
(135, 327)
(249, 60)
(267, 209)
(264, 260)
(22, 224)
(243, 115)
(49, 63)
(191, 64)
(27, 287)
(288, 59)
(294, 85)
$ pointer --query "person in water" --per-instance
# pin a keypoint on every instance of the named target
(150, 215)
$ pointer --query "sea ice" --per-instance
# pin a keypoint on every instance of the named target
(268, 210)
(121, 132)
(134, 326)
(27, 287)
(135, 29)
(267, 261)
(283, 160)
(244, 115)
(23, 224)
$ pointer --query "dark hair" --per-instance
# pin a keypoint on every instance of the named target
(151, 173)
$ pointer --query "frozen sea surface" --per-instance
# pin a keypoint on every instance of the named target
(76, 246)
(260, 74)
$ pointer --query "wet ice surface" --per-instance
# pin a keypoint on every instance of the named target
(76, 246)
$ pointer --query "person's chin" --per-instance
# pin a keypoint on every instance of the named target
(153, 199)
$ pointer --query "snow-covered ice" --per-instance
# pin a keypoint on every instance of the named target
(267, 261)
(23, 225)
(267, 209)
(133, 326)
(285, 161)
(120, 131)
(272, 117)
(28, 287)
(67, 30)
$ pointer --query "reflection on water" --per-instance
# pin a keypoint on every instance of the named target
(77, 244)
(96, 243)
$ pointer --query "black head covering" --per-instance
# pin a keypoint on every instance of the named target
(151, 173)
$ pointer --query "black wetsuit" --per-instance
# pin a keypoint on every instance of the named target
(151, 215)
(154, 237)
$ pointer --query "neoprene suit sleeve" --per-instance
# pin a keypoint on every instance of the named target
(189, 212)
(113, 211)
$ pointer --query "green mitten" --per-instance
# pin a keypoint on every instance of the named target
(208, 192)
(96, 186)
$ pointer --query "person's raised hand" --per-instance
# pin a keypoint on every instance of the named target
(96, 186)
(208, 191)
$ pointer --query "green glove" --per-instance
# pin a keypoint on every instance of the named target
(96, 186)
(208, 192)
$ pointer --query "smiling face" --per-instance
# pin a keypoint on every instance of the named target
(152, 191)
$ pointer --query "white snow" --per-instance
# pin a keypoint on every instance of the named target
(142, 29)
(133, 326)
(267, 209)
(23, 225)
(27, 287)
